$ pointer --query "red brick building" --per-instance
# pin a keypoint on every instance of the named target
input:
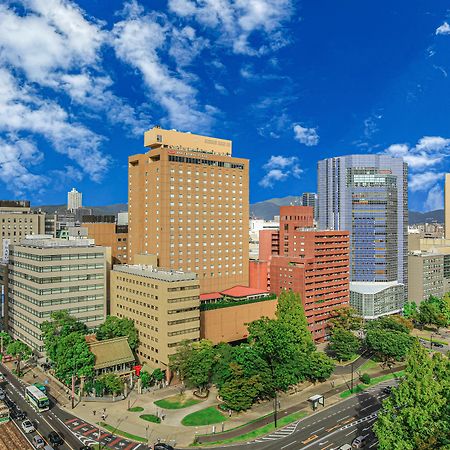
(313, 263)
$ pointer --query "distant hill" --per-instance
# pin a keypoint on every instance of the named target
(260, 210)
(427, 217)
(96, 210)
(269, 208)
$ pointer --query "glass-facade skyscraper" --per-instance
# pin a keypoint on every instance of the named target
(368, 195)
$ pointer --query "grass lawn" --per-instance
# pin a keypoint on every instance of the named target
(121, 433)
(371, 364)
(354, 357)
(207, 416)
(176, 402)
(136, 409)
(360, 387)
(262, 430)
(150, 418)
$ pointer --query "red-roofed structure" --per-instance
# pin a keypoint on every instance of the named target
(210, 296)
(240, 292)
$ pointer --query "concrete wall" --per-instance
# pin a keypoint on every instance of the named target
(229, 324)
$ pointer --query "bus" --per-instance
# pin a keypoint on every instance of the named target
(37, 399)
(4, 413)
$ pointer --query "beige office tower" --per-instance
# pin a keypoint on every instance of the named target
(164, 305)
(17, 221)
(47, 275)
(188, 205)
(447, 206)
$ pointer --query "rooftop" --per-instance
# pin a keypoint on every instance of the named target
(372, 287)
(155, 273)
(47, 241)
(243, 291)
(111, 352)
(210, 296)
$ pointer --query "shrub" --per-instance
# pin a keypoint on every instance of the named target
(365, 378)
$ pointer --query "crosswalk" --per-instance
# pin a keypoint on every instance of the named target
(279, 434)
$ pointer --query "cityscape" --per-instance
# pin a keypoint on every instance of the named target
(156, 297)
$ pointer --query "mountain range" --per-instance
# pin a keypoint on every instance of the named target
(260, 210)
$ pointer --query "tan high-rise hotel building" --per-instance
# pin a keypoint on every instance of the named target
(189, 205)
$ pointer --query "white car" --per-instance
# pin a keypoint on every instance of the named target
(2, 394)
(38, 442)
(27, 426)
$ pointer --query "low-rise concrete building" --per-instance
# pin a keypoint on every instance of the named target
(48, 274)
(426, 275)
(164, 305)
(376, 299)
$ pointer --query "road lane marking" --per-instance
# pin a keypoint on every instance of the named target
(351, 432)
(311, 438)
(287, 445)
(314, 432)
(350, 419)
(365, 407)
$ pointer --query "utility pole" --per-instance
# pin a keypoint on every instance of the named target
(275, 409)
(351, 385)
(73, 390)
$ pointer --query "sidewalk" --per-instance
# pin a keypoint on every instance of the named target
(171, 429)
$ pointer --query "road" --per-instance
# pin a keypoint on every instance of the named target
(75, 432)
(332, 427)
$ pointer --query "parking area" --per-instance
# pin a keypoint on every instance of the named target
(91, 435)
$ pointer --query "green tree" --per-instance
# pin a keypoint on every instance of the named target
(20, 351)
(113, 383)
(291, 312)
(158, 375)
(224, 357)
(320, 367)
(146, 379)
(275, 343)
(194, 363)
(410, 310)
(5, 340)
(415, 416)
(117, 327)
(73, 358)
(393, 323)
(389, 344)
(430, 313)
(240, 392)
(60, 325)
(343, 343)
(346, 318)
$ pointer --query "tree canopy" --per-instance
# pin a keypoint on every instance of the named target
(65, 344)
(416, 415)
(346, 318)
(343, 343)
(117, 327)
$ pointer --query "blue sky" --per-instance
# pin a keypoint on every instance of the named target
(290, 82)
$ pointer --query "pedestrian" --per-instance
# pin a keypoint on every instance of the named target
(93, 412)
(229, 413)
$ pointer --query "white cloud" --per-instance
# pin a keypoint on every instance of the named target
(71, 62)
(16, 157)
(279, 168)
(21, 110)
(307, 136)
(423, 181)
(443, 29)
(138, 39)
(240, 20)
(435, 199)
(428, 152)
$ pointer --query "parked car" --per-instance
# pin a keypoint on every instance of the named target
(85, 447)
(359, 442)
(387, 389)
(345, 447)
(49, 447)
(55, 438)
(2, 394)
(38, 442)
(437, 344)
(27, 426)
(162, 446)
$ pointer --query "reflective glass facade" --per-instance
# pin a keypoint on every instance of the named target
(368, 195)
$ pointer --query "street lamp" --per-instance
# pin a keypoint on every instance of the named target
(431, 341)
(275, 408)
